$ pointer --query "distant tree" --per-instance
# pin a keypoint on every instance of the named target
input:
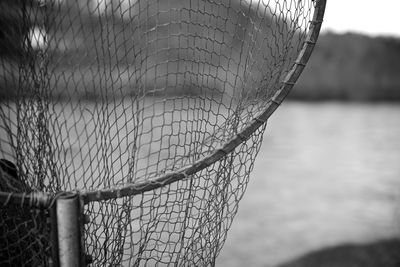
(11, 28)
(17, 19)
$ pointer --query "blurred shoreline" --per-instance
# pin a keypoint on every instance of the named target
(344, 67)
(351, 67)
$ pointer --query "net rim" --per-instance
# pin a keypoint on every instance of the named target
(183, 173)
(33, 199)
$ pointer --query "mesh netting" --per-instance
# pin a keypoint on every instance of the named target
(24, 236)
(153, 110)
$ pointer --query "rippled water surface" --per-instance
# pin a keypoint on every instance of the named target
(327, 173)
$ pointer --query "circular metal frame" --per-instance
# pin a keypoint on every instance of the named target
(219, 153)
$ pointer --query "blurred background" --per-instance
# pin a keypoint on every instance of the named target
(328, 173)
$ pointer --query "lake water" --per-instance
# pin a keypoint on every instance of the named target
(327, 173)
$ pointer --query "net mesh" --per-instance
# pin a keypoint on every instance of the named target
(25, 236)
(144, 107)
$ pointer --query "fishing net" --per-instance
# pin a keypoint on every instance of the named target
(152, 111)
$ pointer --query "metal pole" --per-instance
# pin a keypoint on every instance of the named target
(69, 220)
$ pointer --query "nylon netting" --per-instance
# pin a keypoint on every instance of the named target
(147, 108)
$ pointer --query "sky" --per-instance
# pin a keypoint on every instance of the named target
(372, 17)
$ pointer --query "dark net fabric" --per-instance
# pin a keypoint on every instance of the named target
(111, 94)
(24, 236)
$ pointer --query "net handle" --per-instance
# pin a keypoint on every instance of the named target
(33, 199)
(244, 135)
